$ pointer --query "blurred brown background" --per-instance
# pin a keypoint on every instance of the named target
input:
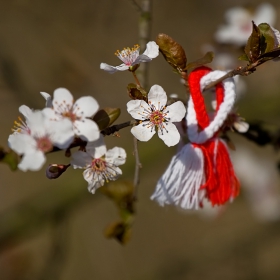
(58, 43)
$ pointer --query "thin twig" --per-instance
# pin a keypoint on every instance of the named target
(114, 128)
(136, 79)
(138, 165)
(53, 266)
(144, 37)
(243, 71)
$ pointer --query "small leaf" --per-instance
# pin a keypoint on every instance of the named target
(173, 52)
(118, 190)
(243, 57)
(10, 158)
(252, 48)
(118, 230)
(269, 38)
(106, 117)
(207, 58)
(136, 92)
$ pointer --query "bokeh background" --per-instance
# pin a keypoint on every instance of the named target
(48, 44)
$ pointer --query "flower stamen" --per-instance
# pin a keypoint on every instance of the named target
(20, 126)
(128, 55)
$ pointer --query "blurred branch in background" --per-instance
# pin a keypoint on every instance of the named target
(36, 212)
(144, 29)
(57, 256)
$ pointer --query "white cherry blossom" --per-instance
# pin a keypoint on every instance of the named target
(131, 57)
(78, 113)
(100, 165)
(41, 137)
(155, 115)
(239, 23)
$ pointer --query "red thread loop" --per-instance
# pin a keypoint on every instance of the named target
(221, 183)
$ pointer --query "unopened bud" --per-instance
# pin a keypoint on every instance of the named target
(54, 170)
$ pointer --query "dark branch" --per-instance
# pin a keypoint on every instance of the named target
(114, 128)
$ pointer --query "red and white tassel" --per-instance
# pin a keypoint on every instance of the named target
(202, 169)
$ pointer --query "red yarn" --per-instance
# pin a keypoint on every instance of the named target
(225, 185)
(221, 183)
(198, 99)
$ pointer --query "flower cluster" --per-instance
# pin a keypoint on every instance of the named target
(55, 127)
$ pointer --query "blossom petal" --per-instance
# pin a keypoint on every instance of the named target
(36, 124)
(122, 67)
(116, 156)
(60, 132)
(157, 96)
(236, 15)
(117, 173)
(32, 161)
(143, 131)
(97, 148)
(25, 111)
(241, 126)
(94, 181)
(50, 114)
(108, 68)
(22, 143)
(170, 135)
(265, 13)
(86, 129)
(152, 50)
(48, 99)
(176, 111)
(112, 69)
(141, 58)
(85, 106)
(138, 109)
(62, 100)
(81, 160)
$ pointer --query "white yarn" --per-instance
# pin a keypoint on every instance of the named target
(226, 106)
(180, 183)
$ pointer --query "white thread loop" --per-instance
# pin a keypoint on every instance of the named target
(226, 106)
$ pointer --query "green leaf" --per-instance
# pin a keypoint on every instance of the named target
(118, 190)
(268, 41)
(252, 48)
(106, 117)
(120, 230)
(136, 92)
(207, 58)
(243, 57)
(10, 158)
(173, 52)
